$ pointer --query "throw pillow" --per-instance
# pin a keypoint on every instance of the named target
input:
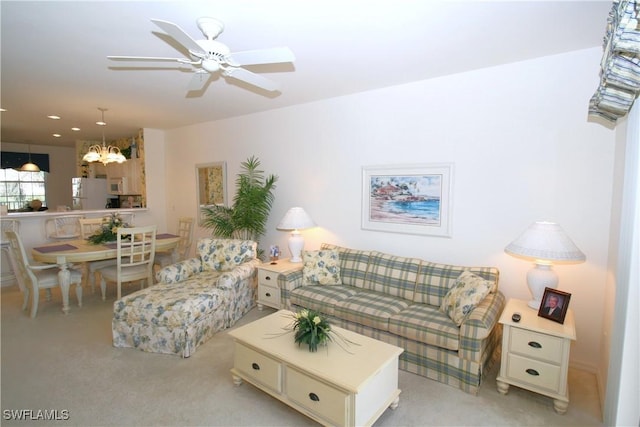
(321, 267)
(468, 291)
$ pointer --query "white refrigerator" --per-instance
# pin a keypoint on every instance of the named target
(89, 193)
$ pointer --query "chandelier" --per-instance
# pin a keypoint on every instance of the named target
(102, 153)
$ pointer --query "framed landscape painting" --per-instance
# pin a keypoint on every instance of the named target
(412, 199)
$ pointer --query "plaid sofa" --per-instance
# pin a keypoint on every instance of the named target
(397, 300)
(192, 300)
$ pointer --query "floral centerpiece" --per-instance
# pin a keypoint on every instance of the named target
(108, 231)
(310, 328)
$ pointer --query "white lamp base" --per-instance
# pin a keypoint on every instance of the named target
(296, 243)
(539, 277)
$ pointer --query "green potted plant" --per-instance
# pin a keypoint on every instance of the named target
(246, 219)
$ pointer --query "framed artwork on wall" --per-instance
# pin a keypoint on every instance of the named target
(554, 305)
(412, 199)
(211, 179)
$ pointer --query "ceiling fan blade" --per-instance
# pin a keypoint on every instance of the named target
(251, 78)
(179, 35)
(262, 56)
(199, 79)
(143, 58)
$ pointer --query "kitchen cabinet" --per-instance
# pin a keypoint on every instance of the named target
(132, 170)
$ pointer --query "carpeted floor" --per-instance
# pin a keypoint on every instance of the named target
(67, 364)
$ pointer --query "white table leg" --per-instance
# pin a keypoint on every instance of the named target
(64, 277)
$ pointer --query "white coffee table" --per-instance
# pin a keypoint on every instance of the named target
(336, 386)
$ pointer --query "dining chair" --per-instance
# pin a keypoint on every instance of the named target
(181, 252)
(32, 277)
(91, 269)
(64, 227)
(8, 225)
(136, 249)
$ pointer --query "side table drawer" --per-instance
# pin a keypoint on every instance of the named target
(534, 372)
(269, 295)
(533, 344)
(321, 399)
(258, 366)
(266, 277)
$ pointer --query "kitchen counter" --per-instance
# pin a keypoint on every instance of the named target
(50, 213)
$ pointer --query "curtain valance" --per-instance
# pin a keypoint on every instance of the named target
(11, 160)
(620, 67)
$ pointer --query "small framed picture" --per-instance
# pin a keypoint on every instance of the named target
(554, 305)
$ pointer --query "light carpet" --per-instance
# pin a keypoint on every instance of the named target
(67, 363)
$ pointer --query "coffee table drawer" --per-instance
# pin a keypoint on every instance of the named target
(323, 400)
(259, 367)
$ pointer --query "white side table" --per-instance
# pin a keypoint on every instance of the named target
(268, 290)
(535, 353)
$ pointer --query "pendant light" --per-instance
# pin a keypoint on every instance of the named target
(103, 154)
(29, 166)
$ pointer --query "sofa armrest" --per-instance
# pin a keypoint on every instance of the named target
(287, 282)
(479, 325)
(180, 271)
(247, 270)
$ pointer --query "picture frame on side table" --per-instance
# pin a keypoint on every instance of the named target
(411, 199)
(554, 305)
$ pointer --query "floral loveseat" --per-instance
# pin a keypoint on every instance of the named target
(444, 316)
(192, 300)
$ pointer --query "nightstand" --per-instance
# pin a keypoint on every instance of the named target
(535, 353)
(268, 290)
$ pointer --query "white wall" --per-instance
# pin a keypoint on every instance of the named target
(621, 344)
(517, 134)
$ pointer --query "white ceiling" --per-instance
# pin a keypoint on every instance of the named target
(54, 53)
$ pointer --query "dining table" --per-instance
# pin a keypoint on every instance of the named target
(81, 251)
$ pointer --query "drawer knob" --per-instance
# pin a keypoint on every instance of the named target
(535, 344)
(268, 294)
(533, 372)
(255, 366)
(314, 397)
(267, 278)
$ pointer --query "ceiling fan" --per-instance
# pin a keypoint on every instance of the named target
(211, 56)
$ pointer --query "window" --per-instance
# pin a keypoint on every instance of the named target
(18, 189)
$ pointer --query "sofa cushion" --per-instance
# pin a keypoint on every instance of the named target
(369, 308)
(392, 275)
(171, 305)
(321, 298)
(353, 265)
(225, 254)
(426, 324)
(468, 291)
(321, 267)
(434, 280)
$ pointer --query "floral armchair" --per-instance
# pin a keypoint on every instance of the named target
(192, 300)
(216, 257)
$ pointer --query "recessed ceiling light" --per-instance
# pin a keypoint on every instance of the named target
(54, 117)
(57, 135)
(75, 129)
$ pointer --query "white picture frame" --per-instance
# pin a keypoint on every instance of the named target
(410, 199)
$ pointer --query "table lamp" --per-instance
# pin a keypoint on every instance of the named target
(544, 242)
(296, 219)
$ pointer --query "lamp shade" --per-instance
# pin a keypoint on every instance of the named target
(296, 219)
(545, 241)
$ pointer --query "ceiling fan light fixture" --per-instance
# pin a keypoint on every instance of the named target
(210, 65)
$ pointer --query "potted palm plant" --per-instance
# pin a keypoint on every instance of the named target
(246, 219)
